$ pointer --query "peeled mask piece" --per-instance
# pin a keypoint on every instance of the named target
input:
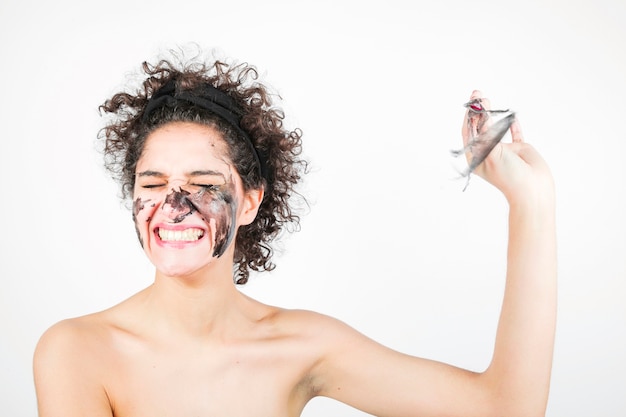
(486, 129)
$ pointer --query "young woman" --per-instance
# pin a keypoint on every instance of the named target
(210, 169)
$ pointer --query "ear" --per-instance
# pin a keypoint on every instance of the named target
(251, 202)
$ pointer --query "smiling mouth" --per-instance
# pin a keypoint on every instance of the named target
(186, 235)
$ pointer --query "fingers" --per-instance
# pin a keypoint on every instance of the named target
(466, 128)
(483, 100)
(474, 123)
(516, 132)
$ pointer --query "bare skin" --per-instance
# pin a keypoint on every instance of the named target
(192, 345)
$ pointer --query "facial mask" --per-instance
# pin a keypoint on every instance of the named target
(215, 204)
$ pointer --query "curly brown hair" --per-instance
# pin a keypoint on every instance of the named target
(127, 128)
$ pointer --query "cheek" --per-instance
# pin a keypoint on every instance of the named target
(221, 208)
(142, 214)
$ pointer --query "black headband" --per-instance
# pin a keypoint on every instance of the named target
(214, 100)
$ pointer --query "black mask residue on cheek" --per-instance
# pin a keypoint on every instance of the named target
(222, 207)
(138, 205)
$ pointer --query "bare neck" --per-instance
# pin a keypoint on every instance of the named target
(204, 305)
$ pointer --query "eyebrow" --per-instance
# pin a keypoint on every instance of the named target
(149, 173)
(196, 173)
(209, 172)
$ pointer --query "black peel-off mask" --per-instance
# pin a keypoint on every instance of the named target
(212, 202)
(486, 129)
(139, 205)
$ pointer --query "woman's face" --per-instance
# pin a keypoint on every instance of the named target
(188, 198)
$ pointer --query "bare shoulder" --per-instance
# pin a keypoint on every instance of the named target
(306, 321)
(75, 344)
(71, 336)
(68, 363)
(322, 333)
(331, 346)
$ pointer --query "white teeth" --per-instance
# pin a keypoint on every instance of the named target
(187, 235)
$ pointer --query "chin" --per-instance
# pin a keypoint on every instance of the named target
(179, 268)
(180, 263)
(177, 272)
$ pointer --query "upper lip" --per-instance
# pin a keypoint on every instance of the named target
(177, 226)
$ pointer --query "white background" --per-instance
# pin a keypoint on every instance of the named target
(390, 244)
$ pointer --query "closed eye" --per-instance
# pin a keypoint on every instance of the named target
(149, 186)
(210, 187)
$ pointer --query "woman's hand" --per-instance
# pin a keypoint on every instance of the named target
(515, 168)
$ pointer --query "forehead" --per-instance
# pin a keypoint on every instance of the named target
(184, 145)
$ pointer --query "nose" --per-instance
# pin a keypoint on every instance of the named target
(177, 205)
